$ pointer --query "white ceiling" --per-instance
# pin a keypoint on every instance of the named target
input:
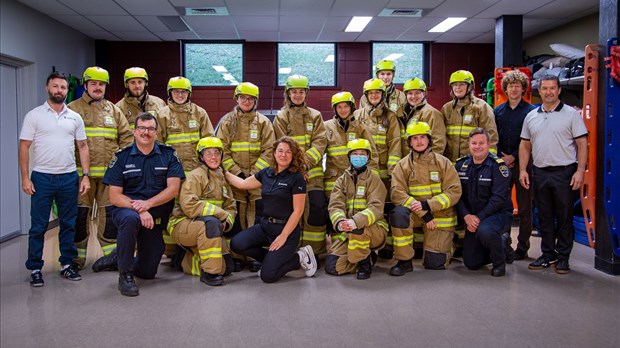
(306, 20)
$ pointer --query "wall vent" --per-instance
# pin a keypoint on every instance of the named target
(206, 11)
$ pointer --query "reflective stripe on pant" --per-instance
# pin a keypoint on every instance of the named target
(62, 188)
(192, 234)
(106, 230)
(312, 234)
(436, 241)
(349, 248)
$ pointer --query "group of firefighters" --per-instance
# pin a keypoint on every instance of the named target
(380, 177)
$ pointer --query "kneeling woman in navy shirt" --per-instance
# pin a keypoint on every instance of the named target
(283, 191)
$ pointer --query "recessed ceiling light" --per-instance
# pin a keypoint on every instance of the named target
(357, 24)
(447, 24)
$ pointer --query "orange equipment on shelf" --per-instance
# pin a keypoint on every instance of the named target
(500, 97)
(590, 113)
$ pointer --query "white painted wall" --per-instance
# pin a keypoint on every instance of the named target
(33, 43)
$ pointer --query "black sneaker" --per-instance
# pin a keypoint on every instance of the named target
(562, 267)
(520, 254)
(71, 273)
(255, 266)
(36, 279)
(541, 263)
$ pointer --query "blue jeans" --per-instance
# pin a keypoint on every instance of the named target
(62, 188)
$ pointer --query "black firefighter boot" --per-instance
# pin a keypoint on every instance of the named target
(106, 263)
(402, 267)
(127, 285)
(211, 279)
(364, 268)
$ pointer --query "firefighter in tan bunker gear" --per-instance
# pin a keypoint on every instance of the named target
(181, 124)
(107, 131)
(419, 110)
(396, 100)
(356, 212)
(204, 211)
(343, 128)
(425, 190)
(305, 125)
(247, 138)
(137, 99)
(464, 113)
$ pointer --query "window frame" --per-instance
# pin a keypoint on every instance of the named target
(335, 71)
(207, 42)
(425, 59)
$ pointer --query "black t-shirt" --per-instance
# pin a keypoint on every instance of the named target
(278, 190)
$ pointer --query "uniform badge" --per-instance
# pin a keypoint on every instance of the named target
(224, 191)
(152, 112)
(253, 134)
(309, 127)
(112, 161)
(394, 107)
(193, 124)
(108, 120)
(467, 118)
(381, 129)
(504, 170)
(352, 136)
(176, 155)
(360, 191)
(435, 176)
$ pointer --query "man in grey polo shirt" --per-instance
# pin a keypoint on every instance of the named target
(53, 130)
(556, 137)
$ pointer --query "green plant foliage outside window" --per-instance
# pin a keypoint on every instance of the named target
(214, 64)
(408, 58)
(315, 61)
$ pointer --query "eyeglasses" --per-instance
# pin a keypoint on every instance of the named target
(210, 154)
(146, 129)
(246, 98)
(180, 91)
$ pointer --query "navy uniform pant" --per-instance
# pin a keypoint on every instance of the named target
(254, 242)
(486, 244)
(132, 236)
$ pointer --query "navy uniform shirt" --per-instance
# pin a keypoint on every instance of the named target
(509, 124)
(143, 176)
(278, 190)
(486, 187)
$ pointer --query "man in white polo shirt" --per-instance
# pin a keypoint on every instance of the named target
(53, 130)
(557, 139)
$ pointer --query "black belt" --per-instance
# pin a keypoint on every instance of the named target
(273, 220)
(556, 168)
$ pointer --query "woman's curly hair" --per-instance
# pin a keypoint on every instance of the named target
(515, 76)
(298, 163)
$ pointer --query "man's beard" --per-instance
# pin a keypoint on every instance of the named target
(55, 99)
(137, 96)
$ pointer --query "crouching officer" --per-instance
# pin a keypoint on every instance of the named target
(356, 211)
(143, 178)
(426, 184)
(206, 210)
(485, 207)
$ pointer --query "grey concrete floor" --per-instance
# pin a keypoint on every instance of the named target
(452, 308)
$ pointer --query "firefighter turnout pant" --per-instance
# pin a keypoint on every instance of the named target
(106, 230)
(348, 249)
(314, 223)
(204, 237)
(437, 242)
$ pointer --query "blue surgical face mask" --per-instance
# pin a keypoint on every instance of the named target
(358, 161)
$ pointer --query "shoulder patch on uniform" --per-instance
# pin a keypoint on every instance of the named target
(123, 148)
(462, 158)
(113, 161)
(504, 170)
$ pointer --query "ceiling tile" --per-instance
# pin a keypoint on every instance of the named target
(101, 35)
(337, 36)
(302, 24)
(148, 7)
(80, 23)
(460, 8)
(49, 7)
(308, 8)
(564, 8)
(261, 23)
(484, 38)
(336, 23)
(512, 7)
(419, 36)
(218, 24)
(252, 8)
(254, 35)
(391, 25)
(194, 3)
(456, 37)
(95, 8)
(474, 25)
(152, 23)
(117, 23)
(357, 8)
(292, 36)
(210, 35)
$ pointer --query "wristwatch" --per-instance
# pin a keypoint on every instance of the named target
(85, 174)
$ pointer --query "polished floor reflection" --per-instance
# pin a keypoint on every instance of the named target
(453, 308)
